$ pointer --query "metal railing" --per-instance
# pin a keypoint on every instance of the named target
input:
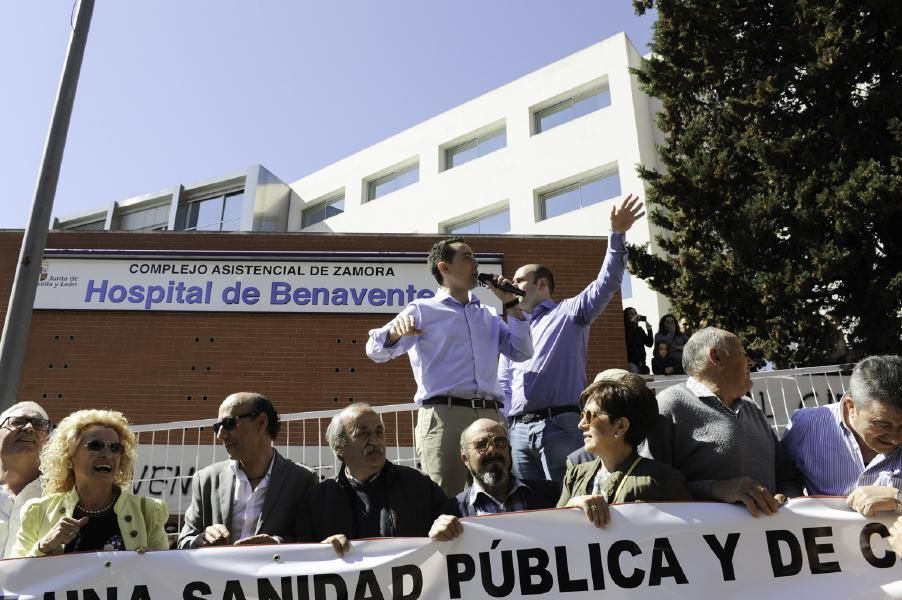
(170, 453)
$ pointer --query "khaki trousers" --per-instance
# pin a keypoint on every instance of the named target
(437, 436)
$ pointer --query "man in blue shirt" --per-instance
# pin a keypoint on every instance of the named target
(543, 392)
(453, 342)
(854, 448)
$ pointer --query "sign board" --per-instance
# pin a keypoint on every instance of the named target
(240, 282)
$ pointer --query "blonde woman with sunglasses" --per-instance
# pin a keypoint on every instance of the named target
(87, 466)
(615, 420)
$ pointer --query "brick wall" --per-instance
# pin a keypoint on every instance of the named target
(158, 367)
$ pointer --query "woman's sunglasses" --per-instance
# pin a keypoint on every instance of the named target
(99, 445)
(590, 415)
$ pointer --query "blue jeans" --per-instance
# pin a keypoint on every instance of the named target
(539, 449)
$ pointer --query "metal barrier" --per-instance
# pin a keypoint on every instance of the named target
(170, 453)
(780, 393)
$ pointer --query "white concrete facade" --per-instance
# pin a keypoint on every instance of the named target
(617, 137)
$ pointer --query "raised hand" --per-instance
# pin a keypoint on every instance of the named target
(629, 212)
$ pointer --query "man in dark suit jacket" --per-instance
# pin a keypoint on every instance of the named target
(485, 450)
(369, 496)
(254, 497)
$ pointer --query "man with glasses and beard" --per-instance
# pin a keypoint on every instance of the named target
(485, 451)
(23, 430)
(253, 497)
(370, 496)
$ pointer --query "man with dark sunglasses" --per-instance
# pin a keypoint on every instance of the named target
(486, 452)
(23, 430)
(255, 497)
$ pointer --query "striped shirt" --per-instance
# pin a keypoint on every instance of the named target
(482, 503)
(825, 450)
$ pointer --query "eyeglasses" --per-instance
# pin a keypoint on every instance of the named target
(590, 415)
(230, 423)
(499, 442)
(19, 422)
(99, 445)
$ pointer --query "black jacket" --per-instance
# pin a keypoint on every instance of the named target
(412, 502)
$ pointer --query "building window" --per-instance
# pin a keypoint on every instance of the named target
(220, 213)
(322, 211)
(393, 181)
(579, 195)
(496, 222)
(572, 108)
(474, 148)
(149, 219)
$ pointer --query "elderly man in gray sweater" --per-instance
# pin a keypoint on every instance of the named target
(719, 439)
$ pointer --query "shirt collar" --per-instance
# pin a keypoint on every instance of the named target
(543, 306)
(441, 295)
(356, 482)
(698, 388)
(838, 416)
(240, 474)
(701, 390)
(477, 489)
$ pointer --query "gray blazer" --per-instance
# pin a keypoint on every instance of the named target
(213, 488)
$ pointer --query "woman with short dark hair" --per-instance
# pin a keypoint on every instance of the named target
(615, 419)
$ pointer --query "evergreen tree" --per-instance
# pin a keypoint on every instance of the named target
(781, 197)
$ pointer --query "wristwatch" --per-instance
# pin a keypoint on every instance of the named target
(511, 304)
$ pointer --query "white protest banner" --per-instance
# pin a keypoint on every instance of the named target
(337, 282)
(813, 547)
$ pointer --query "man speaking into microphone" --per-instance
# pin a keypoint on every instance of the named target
(543, 391)
(454, 343)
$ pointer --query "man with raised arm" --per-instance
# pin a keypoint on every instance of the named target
(543, 391)
(454, 343)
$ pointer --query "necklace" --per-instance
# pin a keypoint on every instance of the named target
(99, 511)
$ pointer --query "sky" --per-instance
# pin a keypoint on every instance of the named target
(181, 91)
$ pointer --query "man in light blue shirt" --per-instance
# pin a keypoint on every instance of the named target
(453, 342)
(542, 392)
(854, 448)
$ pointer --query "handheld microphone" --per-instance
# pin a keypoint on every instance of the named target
(487, 279)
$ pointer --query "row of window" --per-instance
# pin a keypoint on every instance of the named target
(223, 212)
(581, 194)
(562, 112)
(219, 213)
